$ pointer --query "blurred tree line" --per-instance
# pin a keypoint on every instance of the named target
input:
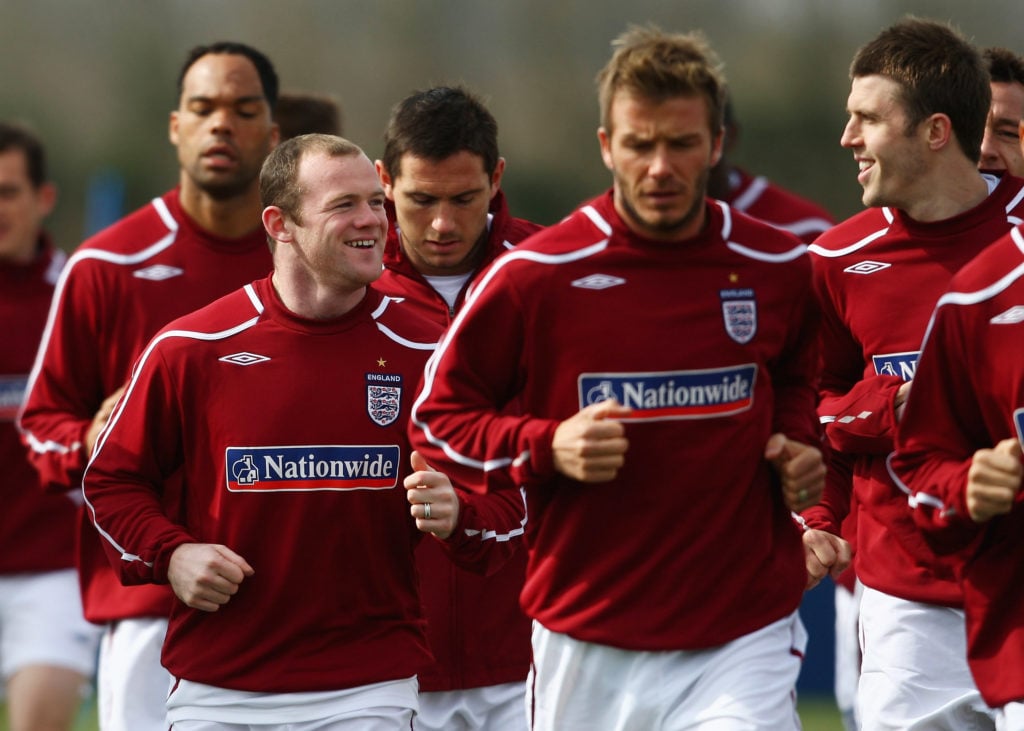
(96, 78)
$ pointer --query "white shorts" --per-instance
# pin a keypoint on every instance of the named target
(474, 709)
(1010, 717)
(847, 652)
(384, 706)
(132, 685)
(41, 623)
(745, 685)
(377, 719)
(914, 672)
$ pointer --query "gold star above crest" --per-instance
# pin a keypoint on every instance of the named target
(381, 362)
(734, 277)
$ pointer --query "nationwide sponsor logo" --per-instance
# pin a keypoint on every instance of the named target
(312, 468)
(12, 394)
(158, 272)
(383, 397)
(598, 281)
(867, 267)
(901, 365)
(244, 358)
(1012, 316)
(1018, 419)
(700, 394)
(739, 311)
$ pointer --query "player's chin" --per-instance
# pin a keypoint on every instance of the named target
(367, 275)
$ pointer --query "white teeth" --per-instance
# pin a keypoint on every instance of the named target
(864, 165)
(364, 244)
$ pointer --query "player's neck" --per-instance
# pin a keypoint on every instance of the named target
(229, 218)
(307, 297)
(952, 190)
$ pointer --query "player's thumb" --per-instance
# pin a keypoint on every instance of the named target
(775, 449)
(609, 409)
(1010, 447)
(419, 463)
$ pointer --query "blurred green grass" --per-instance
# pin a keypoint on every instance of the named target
(818, 713)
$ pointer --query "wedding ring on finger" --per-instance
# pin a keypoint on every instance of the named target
(802, 495)
(426, 510)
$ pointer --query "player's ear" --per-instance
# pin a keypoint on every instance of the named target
(939, 129)
(275, 221)
(46, 197)
(717, 145)
(604, 138)
(385, 179)
(499, 170)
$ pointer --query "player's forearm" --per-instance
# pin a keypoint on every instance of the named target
(56, 448)
(137, 535)
(937, 497)
(861, 420)
(491, 528)
(470, 441)
(824, 516)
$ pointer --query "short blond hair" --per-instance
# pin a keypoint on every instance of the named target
(656, 65)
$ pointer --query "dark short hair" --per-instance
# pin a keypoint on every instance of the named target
(1004, 65)
(658, 66)
(302, 113)
(438, 123)
(16, 137)
(938, 72)
(265, 69)
(280, 171)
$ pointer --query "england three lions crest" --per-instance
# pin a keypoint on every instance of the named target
(383, 397)
(739, 311)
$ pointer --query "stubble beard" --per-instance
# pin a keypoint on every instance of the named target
(896, 188)
(226, 188)
(664, 228)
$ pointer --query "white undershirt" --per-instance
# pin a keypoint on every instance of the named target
(449, 286)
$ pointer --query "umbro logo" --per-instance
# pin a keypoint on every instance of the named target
(1011, 317)
(158, 272)
(598, 281)
(244, 359)
(867, 267)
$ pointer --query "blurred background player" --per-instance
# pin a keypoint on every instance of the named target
(763, 199)
(1001, 146)
(442, 174)
(47, 649)
(184, 249)
(759, 197)
(919, 99)
(301, 112)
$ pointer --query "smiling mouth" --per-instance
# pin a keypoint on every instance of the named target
(362, 244)
(864, 169)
